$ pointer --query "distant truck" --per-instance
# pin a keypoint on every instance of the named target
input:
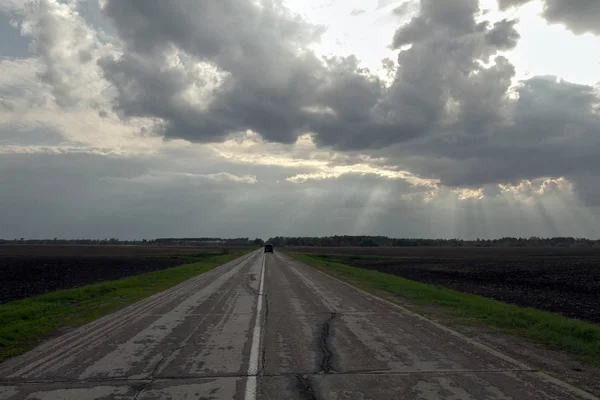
(268, 248)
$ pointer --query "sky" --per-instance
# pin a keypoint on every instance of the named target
(256, 118)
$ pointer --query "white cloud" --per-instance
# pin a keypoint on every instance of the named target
(68, 50)
(335, 171)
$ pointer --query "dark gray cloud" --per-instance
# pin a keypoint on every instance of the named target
(580, 16)
(477, 131)
(274, 86)
(271, 83)
(503, 35)
(587, 189)
(440, 80)
(553, 130)
(268, 79)
(448, 110)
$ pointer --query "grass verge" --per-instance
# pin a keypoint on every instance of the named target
(554, 331)
(332, 257)
(24, 323)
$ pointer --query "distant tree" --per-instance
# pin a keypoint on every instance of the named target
(368, 243)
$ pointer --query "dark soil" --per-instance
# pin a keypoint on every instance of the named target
(459, 253)
(565, 281)
(26, 276)
(97, 250)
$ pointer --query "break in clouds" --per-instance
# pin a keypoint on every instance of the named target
(150, 118)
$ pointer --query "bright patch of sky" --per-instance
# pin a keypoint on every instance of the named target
(365, 28)
(553, 50)
(361, 27)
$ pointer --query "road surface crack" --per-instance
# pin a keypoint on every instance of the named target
(324, 344)
(140, 381)
(251, 290)
(306, 390)
(139, 389)
(162, 360)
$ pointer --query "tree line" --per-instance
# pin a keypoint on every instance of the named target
(204, 241)
(384, 241)
(326, 241)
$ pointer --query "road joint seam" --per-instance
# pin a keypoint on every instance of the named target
(266, 375)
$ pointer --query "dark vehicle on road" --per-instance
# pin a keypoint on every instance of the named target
(268, 248)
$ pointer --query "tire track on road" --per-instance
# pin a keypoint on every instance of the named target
(253, 363)
(70, 344)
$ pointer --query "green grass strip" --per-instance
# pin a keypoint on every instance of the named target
(554, 331)
(337, 257)
(24, 323)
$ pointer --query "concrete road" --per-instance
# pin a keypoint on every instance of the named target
(267, 327)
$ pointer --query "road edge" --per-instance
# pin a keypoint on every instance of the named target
(543, 375)
(63, 329)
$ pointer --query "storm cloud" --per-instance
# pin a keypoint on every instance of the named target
(263, 79)
(481, 128)
(186, 117)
